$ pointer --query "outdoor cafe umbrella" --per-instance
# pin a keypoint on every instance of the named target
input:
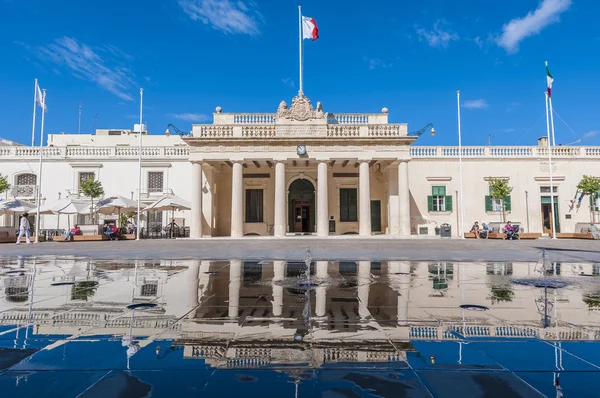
(169, 202)
(63, 206)
(115, 205)
(15, 206)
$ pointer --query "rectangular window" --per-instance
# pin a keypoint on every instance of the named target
(495, 204)
(84, 175)
(155, 181)
(438, 201)
(546, 189)
(348, 204)
(254, 205)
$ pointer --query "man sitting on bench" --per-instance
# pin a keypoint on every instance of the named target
(74, 231)
(594, 231)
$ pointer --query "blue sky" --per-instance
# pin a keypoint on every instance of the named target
(193, 55)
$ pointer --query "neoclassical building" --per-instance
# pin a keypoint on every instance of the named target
(302, 170)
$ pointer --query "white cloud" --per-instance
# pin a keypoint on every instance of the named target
(437, 37)
(376, 63)
(475, 104)
(288, 82)
(478, 41)
(189, 117)
(84, 62)
(224, 15)
(591, 134)
(518, 29)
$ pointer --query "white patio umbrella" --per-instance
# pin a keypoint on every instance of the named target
(63, 206)
(169, 202)
(115, 205)
(15, 206)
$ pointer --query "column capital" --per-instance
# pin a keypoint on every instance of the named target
(365, 160)
(403, 160)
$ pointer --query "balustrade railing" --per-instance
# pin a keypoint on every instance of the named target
(254, 118)
(93, 152)
(216, 131)
(347, 118)
(343, 131)
(387, 130)
(258, 131)
(504, 152)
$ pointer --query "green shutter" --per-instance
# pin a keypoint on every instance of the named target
(488, 203)
(507, 203)
(449, 203)
(438, 191)
(434, 191)
(442, 191)
(430, 203)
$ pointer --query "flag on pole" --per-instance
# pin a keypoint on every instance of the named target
(550, 80)
(309, 28)
(40, 98)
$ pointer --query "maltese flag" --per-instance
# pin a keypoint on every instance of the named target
(309, 28)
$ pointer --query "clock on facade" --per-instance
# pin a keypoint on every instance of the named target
(301, 150)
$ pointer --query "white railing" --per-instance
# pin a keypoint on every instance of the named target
(343, 130)
(387, 130)
(347, 118)
(87, 152)
(254, 118)
(504, 152)
(258, 131)
(24, 191)
(215, 131)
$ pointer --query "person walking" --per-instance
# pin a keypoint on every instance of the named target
(24, 229)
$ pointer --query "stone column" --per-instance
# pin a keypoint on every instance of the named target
(404, 197)
(393, 205)
(196, 221)
(321, 290)
(192, 282)
(364, 283)
(237, 202)
(235, 283)
(278, 277)
(279, 227)
(364, 189)
(399, 273)
(208, 200)
(322, 200)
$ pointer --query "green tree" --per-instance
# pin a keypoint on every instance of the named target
(92, 188)
(499, 189)
(501, 293)
(4, 185)
(590, 185)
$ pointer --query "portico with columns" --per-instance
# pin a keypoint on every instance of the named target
(299, 171)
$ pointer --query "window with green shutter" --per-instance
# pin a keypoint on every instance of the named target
(438, 201)
(348, 204)
(488, 203)
(507, 203)
(495, 205)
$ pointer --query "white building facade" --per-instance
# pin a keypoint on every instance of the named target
(304, 171)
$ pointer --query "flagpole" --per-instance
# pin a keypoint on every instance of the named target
(300, 46)
(552, 120)
(39, 190)
(553, 220)
(460, 171)
(34, 112)
(139, 169)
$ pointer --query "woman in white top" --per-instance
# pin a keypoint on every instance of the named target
(24, 229)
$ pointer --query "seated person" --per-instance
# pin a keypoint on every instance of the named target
(475, 230)
(115, 231)
(510, 230)
(108, 231)
(485, 231)
(74, 231)
(594, 231)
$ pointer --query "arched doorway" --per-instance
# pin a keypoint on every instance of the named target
(301, 206)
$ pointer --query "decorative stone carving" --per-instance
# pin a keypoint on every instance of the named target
(301, 109)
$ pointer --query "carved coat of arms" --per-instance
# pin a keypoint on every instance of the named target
(301, 109)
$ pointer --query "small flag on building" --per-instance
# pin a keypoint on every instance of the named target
(40, 98)
(309, 28)
(550, 80)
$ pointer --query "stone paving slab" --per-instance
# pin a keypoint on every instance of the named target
(354, 248)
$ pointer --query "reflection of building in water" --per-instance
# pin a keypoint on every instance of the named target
(236, 313)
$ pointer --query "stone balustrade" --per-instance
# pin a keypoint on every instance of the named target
(347, 118)
(505, 152)
(258, 131)
(343, 131)
(254, 118)
(92, 152)
(387, 130)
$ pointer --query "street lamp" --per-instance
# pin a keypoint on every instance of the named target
(432, 131)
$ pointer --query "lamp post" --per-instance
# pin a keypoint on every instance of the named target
(139, 201)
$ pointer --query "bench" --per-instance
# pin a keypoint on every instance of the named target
(573, 235)
(81, 238)
(13, 239)
(499, 235)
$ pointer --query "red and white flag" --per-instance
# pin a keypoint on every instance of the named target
(309, 28)
(549, 80)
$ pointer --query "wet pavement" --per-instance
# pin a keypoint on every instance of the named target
(78, 326)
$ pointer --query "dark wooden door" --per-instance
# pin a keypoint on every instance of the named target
(302, 212)
(375, 216)
(547, 223)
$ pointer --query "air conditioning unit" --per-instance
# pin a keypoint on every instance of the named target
(426, 229)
